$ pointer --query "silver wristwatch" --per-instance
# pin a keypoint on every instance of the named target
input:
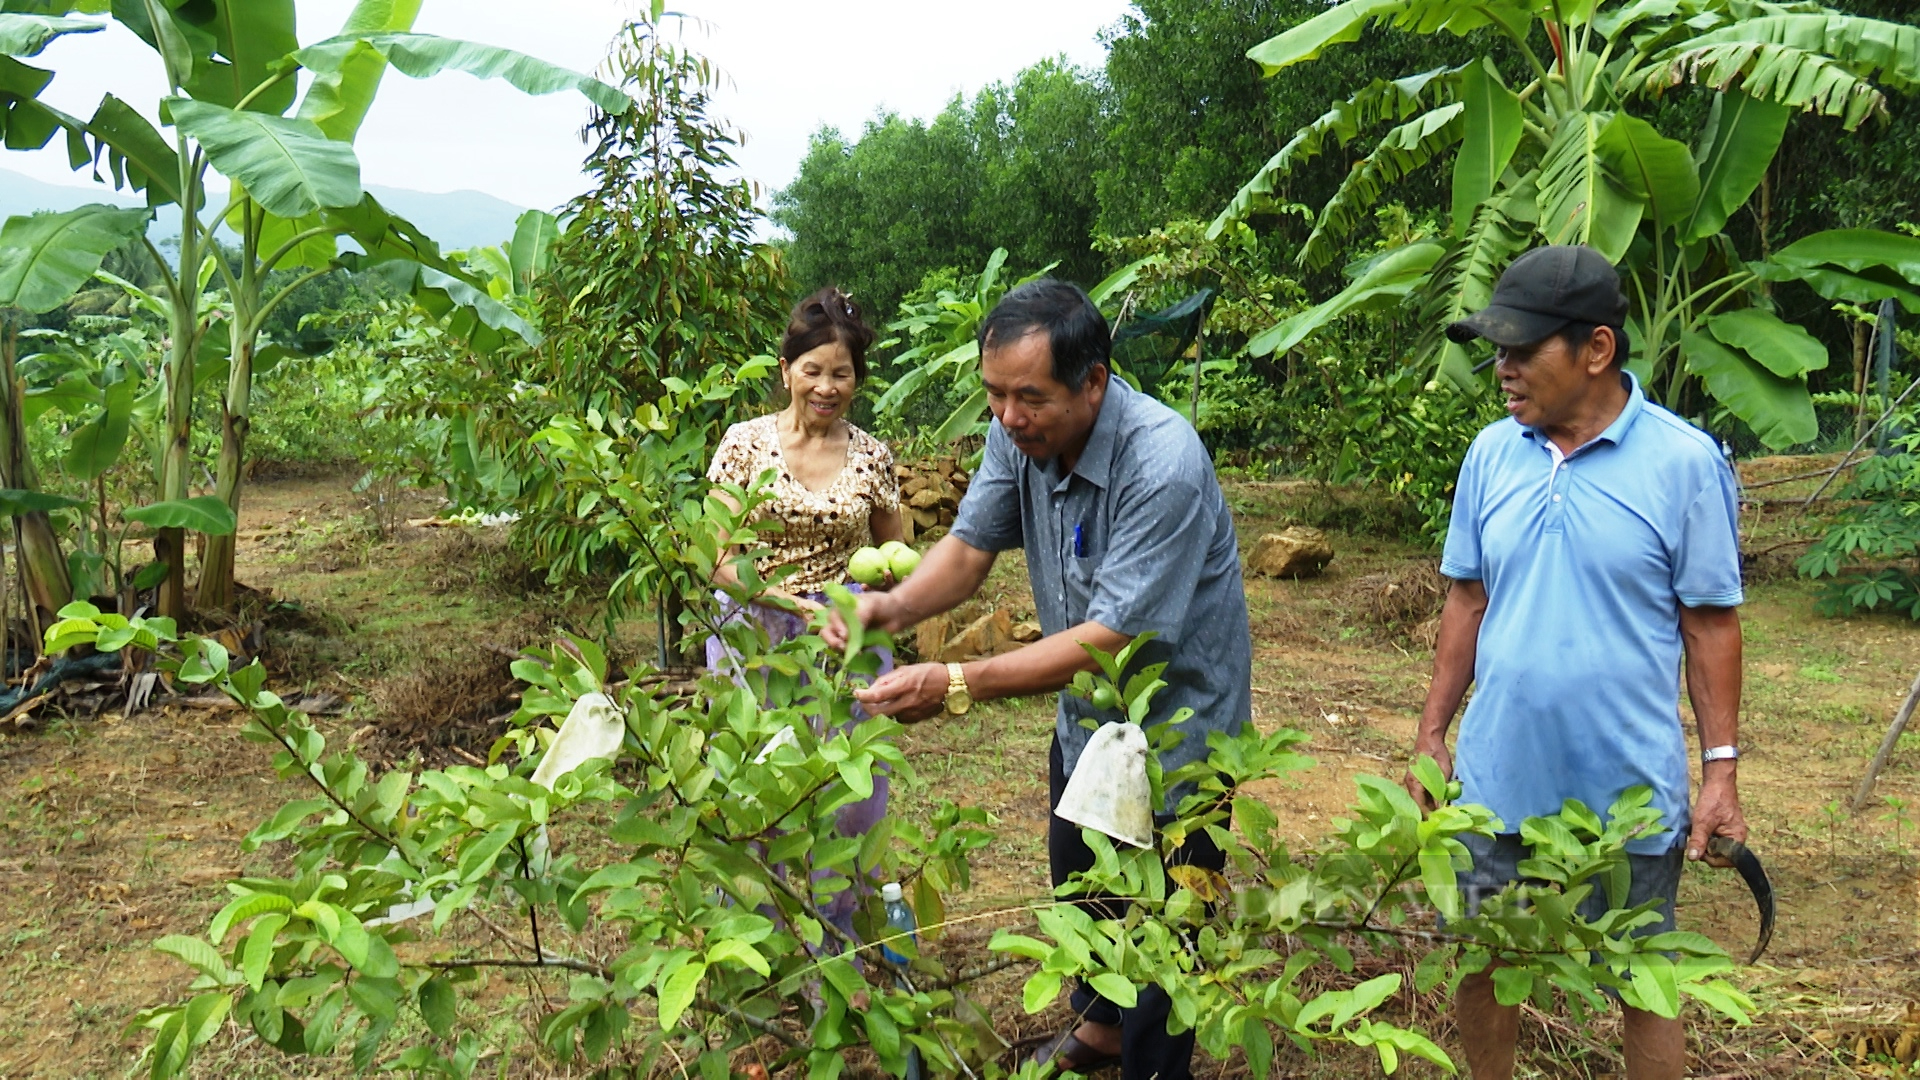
(1719, 753)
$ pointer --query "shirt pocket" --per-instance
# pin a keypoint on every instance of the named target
(1083, 559)
(1079, 586)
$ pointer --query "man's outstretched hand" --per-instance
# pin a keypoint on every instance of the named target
(908, 694)
(875, 610)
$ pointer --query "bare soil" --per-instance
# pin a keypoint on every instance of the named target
(115, 832)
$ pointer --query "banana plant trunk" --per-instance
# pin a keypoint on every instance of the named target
(175, 453)
(216, 568)
(41, 562)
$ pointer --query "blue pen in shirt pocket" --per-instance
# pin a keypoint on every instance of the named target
(1080, 541)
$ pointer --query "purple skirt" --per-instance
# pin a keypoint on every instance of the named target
(853, 819)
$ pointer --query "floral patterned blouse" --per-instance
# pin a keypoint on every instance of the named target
(821, 529)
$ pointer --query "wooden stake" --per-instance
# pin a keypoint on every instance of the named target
(1862, 334)
(1886, 746)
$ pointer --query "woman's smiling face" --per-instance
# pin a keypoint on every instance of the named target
(822, 381)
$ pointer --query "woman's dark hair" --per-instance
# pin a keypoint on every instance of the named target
(1077, 333)
(828, 315)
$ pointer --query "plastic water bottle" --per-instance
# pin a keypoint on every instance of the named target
(900, 918)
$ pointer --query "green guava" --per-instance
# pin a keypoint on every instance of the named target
(901, 559)
(1105, 697)
(868, 567)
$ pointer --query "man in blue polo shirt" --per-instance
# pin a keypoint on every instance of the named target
(1593, 542)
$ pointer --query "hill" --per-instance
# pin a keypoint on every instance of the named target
(457, 219)
(24, 195)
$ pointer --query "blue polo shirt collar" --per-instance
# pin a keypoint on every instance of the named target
(1616, 432)
(1096, 460)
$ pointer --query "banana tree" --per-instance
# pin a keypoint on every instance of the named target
(944, 331)
(514, 268)
(477, 476)
(105, 393)
(294, 182)
(1551, 150)
(44, 260)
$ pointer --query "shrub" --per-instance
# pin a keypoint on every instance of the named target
(1871, 555)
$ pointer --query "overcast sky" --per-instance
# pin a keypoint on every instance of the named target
(789, 67)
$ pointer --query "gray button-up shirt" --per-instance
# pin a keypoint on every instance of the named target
(1136, 538)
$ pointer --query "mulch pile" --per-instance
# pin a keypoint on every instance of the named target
(1404, 602)
(444, 710)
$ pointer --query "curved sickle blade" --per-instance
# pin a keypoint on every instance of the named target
(1748, 864)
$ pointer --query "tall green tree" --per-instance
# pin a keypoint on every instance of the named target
(1014, 168)
(1042, 141)
(656, 284)
(231, 97)
(657, 273)
(874, 214)
(1191, 119)
(1045, 163)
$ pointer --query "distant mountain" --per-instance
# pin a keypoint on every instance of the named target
(457, 219)
(25, 195)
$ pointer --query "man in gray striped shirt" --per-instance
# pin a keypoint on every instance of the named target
(1114, 500)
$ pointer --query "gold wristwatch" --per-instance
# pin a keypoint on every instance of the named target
(958, 700)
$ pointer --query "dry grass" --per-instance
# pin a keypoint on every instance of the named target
(476, 559)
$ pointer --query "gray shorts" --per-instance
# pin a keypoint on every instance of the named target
(1496, 864)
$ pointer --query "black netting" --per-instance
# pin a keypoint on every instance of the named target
(1837, 432)
(1148, 347)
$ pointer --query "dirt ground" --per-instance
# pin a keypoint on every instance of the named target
(115, 832)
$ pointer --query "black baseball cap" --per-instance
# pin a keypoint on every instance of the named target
(1544, 290)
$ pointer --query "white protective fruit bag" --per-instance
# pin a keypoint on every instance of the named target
(594, 728)
(1108, 791)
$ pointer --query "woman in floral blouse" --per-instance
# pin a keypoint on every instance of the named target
(833, 487)
(833, 492)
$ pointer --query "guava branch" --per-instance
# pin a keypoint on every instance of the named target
(981, 972)
(780, 882)
(325, 789)
(568, 963)
(564, 962)
(764, 1027)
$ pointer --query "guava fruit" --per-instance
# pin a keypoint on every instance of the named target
(868, 566)
(901, 559)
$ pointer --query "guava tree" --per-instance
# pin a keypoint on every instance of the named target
(1551, 143)
(231, 98)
